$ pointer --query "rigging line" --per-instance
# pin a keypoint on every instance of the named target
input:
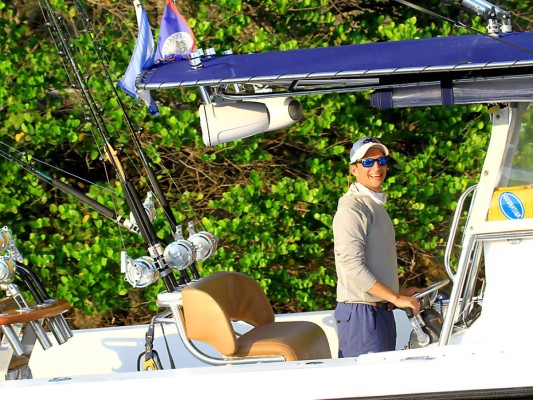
(434, 14)
(87, 117)
(462, 25)
(154, 243)
(114, 215)
(132, 198)
(134, 134)
(54, 33)
(21, 155)
(72, 191)
(174, 183)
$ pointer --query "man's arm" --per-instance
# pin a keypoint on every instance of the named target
(399, 300)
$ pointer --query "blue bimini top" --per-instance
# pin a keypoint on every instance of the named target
(371, 64)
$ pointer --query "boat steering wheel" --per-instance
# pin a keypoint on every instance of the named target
(432, 288)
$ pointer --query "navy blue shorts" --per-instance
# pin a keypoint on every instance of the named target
(363, 328)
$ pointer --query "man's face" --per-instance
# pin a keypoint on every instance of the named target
(374, 176)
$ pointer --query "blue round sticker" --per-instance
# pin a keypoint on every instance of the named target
(511, 206)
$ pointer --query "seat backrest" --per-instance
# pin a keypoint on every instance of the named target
(211, 303)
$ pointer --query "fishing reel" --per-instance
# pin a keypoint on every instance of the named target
(11, 264)
(5, 238)
(7, 261)
(205, 243)
(178, 255)
(8, 244)
(182, 253)
(7, 269)
(149, 208)
(139, 272)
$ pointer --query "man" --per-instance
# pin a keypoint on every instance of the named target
(365, 258)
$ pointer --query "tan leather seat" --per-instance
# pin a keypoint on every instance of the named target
(211, 303)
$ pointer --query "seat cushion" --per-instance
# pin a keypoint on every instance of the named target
(211, 303)
(295, 340)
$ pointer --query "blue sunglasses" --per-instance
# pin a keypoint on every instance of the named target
(369, 162)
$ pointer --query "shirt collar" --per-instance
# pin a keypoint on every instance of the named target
(377, 197)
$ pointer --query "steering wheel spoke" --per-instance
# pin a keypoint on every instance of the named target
(431, 292)
(432, 288)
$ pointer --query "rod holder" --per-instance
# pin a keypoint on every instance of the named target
(56, 330)
(64, 326)
(41, 334)
(13, 340)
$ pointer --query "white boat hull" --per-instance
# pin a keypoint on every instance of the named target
(103, 361)
(436, 371)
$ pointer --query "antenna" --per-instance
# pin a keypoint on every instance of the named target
(499, 21)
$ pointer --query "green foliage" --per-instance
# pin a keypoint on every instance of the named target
(270, 199)
(278, 233)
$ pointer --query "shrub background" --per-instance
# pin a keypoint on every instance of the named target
(270, 198)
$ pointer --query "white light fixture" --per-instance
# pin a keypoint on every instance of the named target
(231, 121)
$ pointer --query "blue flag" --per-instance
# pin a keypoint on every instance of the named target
(176, 39)
(142, 58)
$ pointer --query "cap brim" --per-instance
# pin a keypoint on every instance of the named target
(364, 148)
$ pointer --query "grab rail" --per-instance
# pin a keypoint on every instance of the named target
(453, 229)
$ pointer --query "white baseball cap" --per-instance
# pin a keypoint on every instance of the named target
(360, 148)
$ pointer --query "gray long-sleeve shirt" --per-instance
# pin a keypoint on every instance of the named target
(364, 246)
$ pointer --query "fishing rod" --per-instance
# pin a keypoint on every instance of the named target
(152, 178)
(133, 133)
(71, 190)
(108, 148)
(179, 254)
(134, 277)
(155, 264)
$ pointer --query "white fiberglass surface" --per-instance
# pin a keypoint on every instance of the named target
(112, 350)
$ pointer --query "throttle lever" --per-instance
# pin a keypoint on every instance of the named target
(422, 337)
